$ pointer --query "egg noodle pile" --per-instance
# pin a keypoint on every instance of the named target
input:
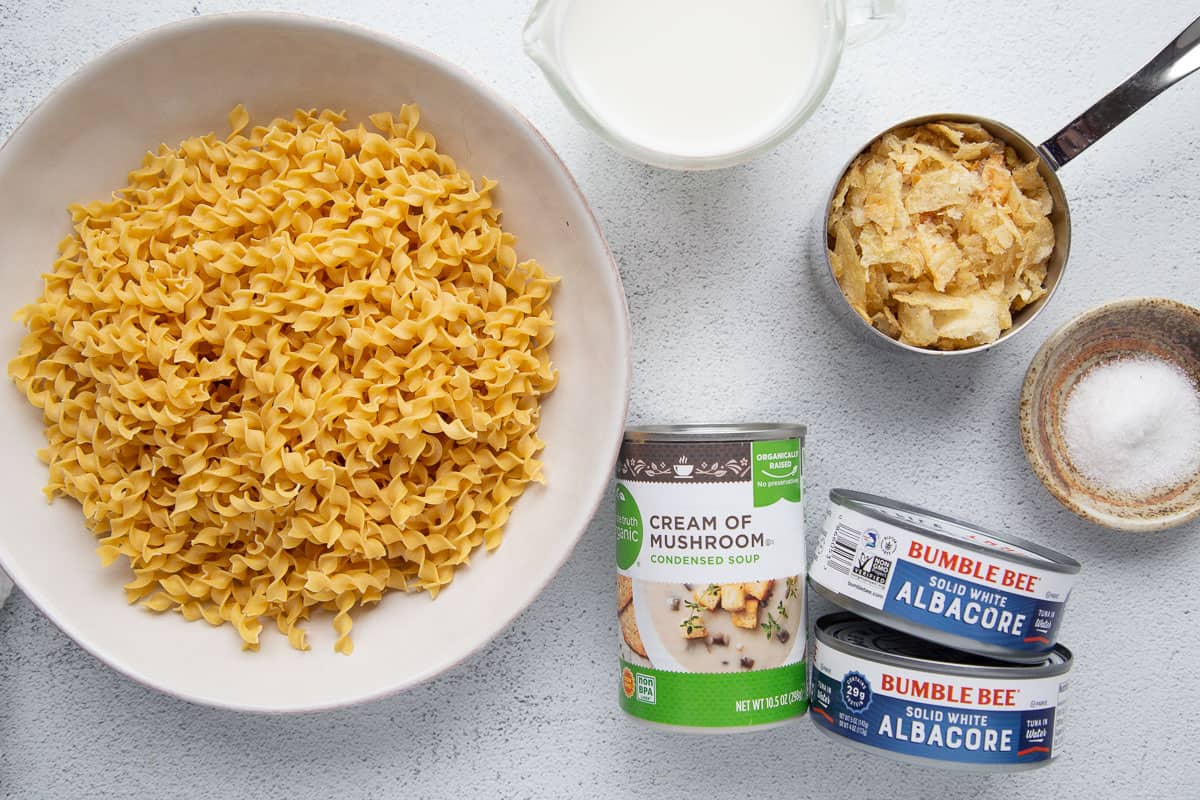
(291, 369)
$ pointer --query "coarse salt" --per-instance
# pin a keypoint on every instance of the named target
(1132, 425)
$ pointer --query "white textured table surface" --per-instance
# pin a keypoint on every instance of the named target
(727, 325)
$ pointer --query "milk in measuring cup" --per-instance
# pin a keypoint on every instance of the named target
(694, 78)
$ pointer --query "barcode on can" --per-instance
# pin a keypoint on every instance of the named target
(842, 547)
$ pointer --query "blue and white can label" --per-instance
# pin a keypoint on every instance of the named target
(980, 721)
(974, 591)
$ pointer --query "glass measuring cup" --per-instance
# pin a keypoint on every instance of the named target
(697, 84)
(1176, 61)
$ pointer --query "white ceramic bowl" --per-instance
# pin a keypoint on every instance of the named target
(181, 80)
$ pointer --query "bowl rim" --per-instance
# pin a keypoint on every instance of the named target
(590, 497)
(1027, 405)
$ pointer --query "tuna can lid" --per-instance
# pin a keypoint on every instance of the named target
(954, 531)
(717, 432)
(869, 640)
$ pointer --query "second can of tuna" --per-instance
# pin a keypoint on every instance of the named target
(896, 695)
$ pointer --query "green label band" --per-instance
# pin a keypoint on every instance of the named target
(713, 700)
(776, 474)
(629, 528)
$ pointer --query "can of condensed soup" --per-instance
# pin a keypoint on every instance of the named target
(941, 579)
(710, 575)
(895, 694)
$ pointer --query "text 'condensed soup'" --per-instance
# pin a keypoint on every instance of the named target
(922, 702)
(941, 579)
(710, 575)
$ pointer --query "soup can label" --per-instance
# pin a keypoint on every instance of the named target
(931, 715)
(971, 590)
(710, 581)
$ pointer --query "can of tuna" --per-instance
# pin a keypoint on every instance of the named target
(894, 694)
(942, 579)
(710, 575)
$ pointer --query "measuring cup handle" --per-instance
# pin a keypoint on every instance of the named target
(1177, 60)
(870, 19)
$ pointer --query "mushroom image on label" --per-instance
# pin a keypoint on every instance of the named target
(710, 575)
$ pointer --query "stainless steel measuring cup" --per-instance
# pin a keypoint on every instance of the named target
(1178, 59)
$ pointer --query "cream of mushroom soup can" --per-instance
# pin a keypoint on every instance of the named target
(942, 579)
(710, 575)
(893, 694)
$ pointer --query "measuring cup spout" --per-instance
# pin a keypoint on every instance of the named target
(1177, 60)
(537, 37)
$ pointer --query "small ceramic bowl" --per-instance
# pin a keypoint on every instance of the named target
(1137, 326)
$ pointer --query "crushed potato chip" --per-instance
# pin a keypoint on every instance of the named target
(939, 233)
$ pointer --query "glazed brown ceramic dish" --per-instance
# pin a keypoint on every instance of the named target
(1139, 326)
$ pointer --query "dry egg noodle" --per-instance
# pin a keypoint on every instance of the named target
(939, 233)
(291, 369)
